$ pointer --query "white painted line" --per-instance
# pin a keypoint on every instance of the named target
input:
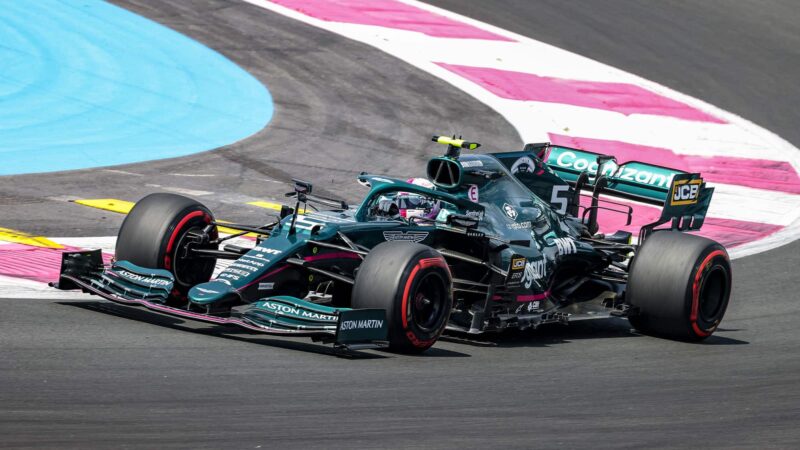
(180, 190)
(22, 288)
(193, 175)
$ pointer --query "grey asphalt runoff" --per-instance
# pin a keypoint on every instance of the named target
(89, 374)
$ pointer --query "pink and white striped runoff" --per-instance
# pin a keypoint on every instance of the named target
(549, 94)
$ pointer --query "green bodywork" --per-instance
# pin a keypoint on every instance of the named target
(511, 224)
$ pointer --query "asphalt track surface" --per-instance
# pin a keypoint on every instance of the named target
(89, 374)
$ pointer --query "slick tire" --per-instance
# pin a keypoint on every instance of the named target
(679, 286)
(413, 284)
(154, 235)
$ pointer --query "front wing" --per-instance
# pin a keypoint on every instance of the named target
(125, 283)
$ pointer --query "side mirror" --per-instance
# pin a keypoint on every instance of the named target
(302, 187)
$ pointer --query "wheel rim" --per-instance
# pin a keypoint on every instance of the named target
(429, 302)
(189, 271)
(712, 293)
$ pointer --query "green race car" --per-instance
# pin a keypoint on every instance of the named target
(486, 242)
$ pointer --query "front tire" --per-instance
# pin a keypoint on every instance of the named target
(412, 283)
(154, 235)
(679, 286)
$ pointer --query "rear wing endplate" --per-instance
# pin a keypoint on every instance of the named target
(685, 207)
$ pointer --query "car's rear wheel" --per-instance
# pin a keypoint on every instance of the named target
(413, 284)
(679, 286)
(155, 234)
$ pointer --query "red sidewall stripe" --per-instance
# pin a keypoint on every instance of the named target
(696, 295)
(188, 217)
(406, 292)
(422, 264)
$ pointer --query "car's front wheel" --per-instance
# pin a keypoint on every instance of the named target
(155, 234)
(412, 282)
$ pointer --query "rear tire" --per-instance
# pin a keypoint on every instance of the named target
(413, 284)
(153, 235)
(679, 286)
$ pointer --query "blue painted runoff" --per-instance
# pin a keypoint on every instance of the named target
(84, 83)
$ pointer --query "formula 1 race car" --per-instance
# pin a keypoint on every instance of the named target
(486, 242)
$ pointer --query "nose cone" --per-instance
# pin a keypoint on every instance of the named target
(211, 292)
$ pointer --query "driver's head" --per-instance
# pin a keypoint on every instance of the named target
(418, 205)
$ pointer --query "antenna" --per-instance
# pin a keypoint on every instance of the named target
(454, 145)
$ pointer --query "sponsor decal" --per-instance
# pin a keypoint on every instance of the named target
(528, 307)
(524, 165)
(242, 266)
(472, 193)
(570, 160)
(516, 269)
(476, 163)
(266, 286)
(250, 260)
(685, 192)
(280, 307)
(405, 236)
(328, 218)
(224, 281)
(367, 324)
(477, 215)
(206, 291)
(361, 325)
(510, 211)
(416, 341)
(566, 246)
(269, 251)
(519, 226)
(534, 270)
(317, 316)
(230, 270)
(291, 310)
(142, 279)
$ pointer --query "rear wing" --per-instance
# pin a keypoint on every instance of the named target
(683, 196)
(647, 183)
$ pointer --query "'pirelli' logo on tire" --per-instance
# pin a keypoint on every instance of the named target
(685, 192)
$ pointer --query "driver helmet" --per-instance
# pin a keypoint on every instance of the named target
(417, 205)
